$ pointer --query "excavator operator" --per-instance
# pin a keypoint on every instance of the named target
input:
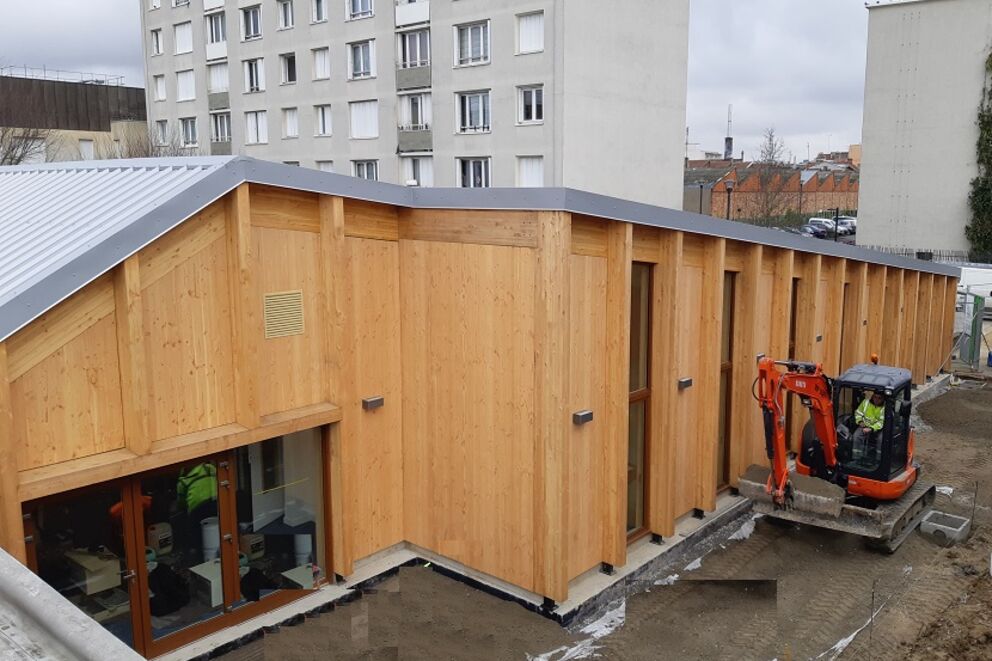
(870, 416)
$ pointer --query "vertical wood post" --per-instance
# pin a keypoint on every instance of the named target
(664, 432)
(711, 311)
(781, 304)
(880, 307)
(834, 318)
(935, 343)
(132, 357)
(744, 413)
(892, 324)
(338, 355)
(856, 328)
(11, 523)
(619, 252)
(910, 290)
(551, 458)
(950, 301)
(807, 301)
(245, 320)
(923, 297)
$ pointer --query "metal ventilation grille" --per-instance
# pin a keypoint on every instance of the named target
(283, 314)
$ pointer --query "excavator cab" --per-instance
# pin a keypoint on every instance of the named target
(872, 461)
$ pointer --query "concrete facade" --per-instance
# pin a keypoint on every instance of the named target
(923, 87)
(614, 129)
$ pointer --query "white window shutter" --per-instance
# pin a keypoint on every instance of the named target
(531, 36)
(261, 74)
(365, 119)
(372, 68)
(530, 171)
(263, 126)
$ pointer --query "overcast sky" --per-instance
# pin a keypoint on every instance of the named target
(795, 65)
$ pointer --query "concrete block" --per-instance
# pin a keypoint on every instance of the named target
(945, 529)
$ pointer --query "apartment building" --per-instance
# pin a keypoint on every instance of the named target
(924, 81)
(471, 93)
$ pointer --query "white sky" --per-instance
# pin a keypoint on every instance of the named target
(795, 65)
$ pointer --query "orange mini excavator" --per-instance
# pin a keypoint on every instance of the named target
(845, 477)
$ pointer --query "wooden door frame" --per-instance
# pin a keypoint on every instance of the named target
(643, 395)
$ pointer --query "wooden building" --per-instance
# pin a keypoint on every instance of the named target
(251, 376)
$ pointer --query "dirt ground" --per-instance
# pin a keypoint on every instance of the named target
(768, 591)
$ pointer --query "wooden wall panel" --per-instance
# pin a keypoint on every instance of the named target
(587, 390)
(370, 220)
(619, 257)
(890, 343)
(287, 261)
(810, 304)
(923, 299)
(910, 291)
(645, 244)
(665, 432)
(11, 523)
(69, 404)
(833, 315)
(711, 320)
(498, 228)
(468, 409)
(852, 350)
(752, 299)
(950, 302)
(881, 303)
(187, 326)
(686, 447)
(284, 209)
(373, 443)
(935, 344)
(588, 236)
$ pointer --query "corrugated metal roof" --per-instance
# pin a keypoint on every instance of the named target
(63, 225)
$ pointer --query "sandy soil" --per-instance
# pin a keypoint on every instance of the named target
(784, 591)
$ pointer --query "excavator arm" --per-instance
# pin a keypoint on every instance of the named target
(808, 381)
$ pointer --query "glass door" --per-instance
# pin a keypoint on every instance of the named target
(180, 522)
(78, 543)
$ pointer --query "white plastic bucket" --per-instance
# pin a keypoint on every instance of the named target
(302, 545)
(210, 529)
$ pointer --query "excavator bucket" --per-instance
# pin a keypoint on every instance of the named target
(808, 494)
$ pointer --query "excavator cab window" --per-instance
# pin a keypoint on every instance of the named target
(897, 419)
(860, 452)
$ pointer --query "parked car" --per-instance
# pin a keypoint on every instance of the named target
(846, 226)
(825, 223)
(814, 230)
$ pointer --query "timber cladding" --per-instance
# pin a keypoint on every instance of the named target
(481, 330)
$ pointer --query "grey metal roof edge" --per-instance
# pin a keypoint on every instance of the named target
(118, 163)
(229, 172)
(76, 274)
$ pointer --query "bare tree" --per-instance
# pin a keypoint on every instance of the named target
(143, 142)
(19, 145)
(773, 174)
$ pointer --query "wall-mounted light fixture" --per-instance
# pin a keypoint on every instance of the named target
(582, 417)
(372, 403)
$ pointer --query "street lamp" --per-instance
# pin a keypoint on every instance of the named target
(729, 183)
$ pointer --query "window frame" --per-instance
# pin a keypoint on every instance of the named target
(323, 119)
(281, 5)
(462, 127)
(257, 114)
(352, 46)
(351, 120)
(175, 38)
(487, 170)
(192, 77)
(486, 38)
(365, 163)
(158, 80)
(213, 66)
(520, 160)
(162, 132)
(246, 12)
(157, 42)
(216, 23)
(403, 49)
(259, 70)
(183, 123)
(522, 91)
(352, 15)
(520, 50)
(313, 62)
(214, 133)
(314, 17)
(285, 69)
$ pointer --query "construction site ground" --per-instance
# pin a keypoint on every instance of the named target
(762, 590)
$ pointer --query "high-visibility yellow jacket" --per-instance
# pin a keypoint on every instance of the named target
(869, 415)
(197, 485)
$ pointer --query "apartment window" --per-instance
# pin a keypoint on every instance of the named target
(415, 49)
(639, 398)
(293, 163)
(161, 132)
(530, 171)
(158, 84)
(474, 172)
(188, 126)
(322, 119)
(530, 102)
(185, 85)
(218, 78)
(321, 64)
(288, 62)
(364, 119)
(180, 3)
(530, 33)
(418, 171)
(290, 123)
(183, 34)
(726, 380)
(156, 42)
(254, 75)
(319, 10)
(415, 112)
(361, 59)
(220, 127)
(251, 22)
(366, 170)
(154, 4)
(216, 28)
(86, 151)
(472, 43)
(325, 166)
(256, 127)
(286, 19)
(359, 9)
(473, 112)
